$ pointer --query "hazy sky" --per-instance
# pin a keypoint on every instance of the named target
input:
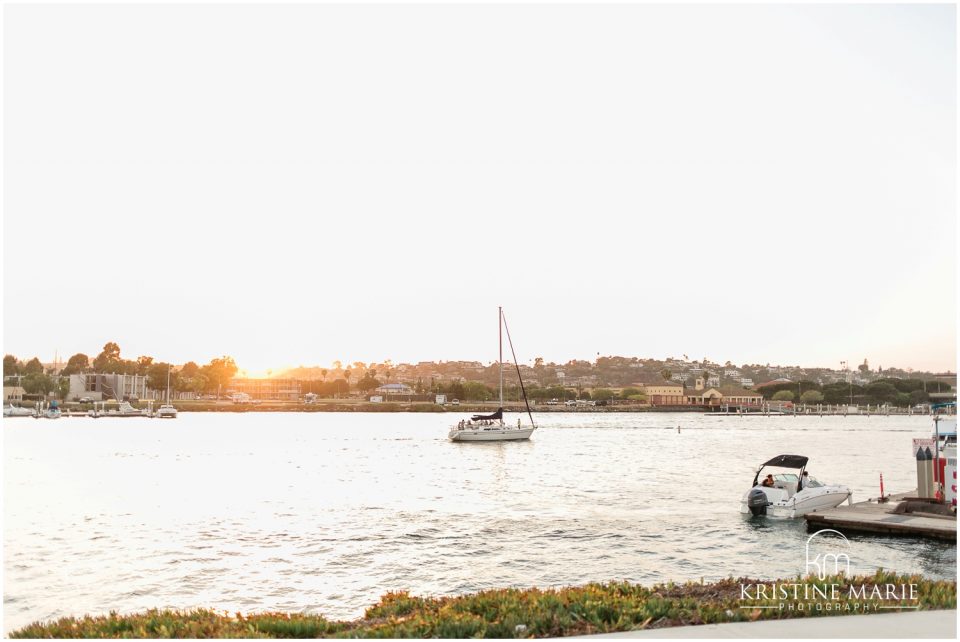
(297, 184)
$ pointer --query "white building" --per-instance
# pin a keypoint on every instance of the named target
(104, 387)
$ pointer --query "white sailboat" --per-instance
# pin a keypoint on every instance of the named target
(167, 410)
(492, 427)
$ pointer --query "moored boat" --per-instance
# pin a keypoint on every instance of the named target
(167, 411)
(17, 411)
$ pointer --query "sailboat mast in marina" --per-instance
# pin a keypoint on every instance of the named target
(492, 427)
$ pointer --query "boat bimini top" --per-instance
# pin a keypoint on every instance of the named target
(784, 461)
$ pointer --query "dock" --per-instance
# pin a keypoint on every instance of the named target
(874, 517)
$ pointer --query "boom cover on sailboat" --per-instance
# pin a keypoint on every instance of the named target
(497, 415)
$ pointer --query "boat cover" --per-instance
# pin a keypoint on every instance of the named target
(788, 461)
(497, 415)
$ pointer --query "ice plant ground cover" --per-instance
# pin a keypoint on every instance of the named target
(506, 613)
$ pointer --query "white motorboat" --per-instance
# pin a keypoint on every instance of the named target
(16, 411)
(124, 410)
(492, 427)
(166, 411)
(792, 494)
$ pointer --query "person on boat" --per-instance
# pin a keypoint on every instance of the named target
(768, 482)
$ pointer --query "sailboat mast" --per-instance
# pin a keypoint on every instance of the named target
(500, 337)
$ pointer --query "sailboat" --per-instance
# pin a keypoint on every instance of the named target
(167, 410)
(492, 427)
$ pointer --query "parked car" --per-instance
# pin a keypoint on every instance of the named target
(553, 402)
(86, 399)
(455, 402)
(570, 402)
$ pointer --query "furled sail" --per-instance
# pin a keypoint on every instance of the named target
(497, 415)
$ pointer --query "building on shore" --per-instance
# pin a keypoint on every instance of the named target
(104, 387)
(722, 396)
(665, 394)
(12, 393)
(266, 389)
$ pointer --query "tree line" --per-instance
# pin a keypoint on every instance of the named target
(191, 377)
(896, 392)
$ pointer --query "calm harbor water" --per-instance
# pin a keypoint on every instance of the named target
(325, 512)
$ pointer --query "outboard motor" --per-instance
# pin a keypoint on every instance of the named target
(757, 502)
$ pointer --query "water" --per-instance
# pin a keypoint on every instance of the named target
(325, 512)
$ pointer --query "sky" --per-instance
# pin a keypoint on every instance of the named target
(297, 184)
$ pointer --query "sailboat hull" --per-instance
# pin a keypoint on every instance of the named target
(491, 434)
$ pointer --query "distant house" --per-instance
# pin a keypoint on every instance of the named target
(395, 389)
(723, 395)
(746, 382)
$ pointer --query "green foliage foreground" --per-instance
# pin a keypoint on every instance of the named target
(505, 613)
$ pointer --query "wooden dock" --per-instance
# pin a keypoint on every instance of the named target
(873, 517)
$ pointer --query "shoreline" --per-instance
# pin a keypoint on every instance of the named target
(614, 607)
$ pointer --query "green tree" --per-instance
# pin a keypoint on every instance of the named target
(37, 383)
(143, 365)
(157, 377)
(77, 364)
(476, 391)
(918, 397)
(33, 367)
(882, 392)
(63, 387)
(455, 390)
(11, 366)
(627, 393)
(218, 373)
(340, 387)
(811, 397)
(108, 361)
(368, 381)
(666, 374)
(603, 394)
(783, 395)
(189, 370)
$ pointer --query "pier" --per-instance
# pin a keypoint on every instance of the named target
(888, 518)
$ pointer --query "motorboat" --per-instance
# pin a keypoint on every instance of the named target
(166, 411)
(492, 427)
(125, 409)
(790, 494)
(16, 411)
